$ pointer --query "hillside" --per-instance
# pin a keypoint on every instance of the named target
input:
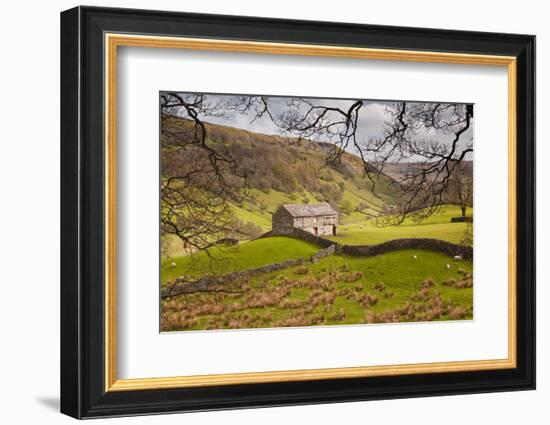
(398, 170)
(437, 226)
(250, 254)
(242, 281)
(401, 286)
(281, 170)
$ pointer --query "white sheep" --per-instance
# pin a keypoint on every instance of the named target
(458, 257)
(172, 265)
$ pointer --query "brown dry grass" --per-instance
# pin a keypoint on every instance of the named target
(303, 299)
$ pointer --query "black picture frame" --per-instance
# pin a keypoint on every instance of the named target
(83, 392)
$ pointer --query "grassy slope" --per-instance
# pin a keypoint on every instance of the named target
(304, 163)
(290, 172)
(400, 271)
(244, 256)
(438, 226)
(353, 193)
(251, 211)
(270, 250)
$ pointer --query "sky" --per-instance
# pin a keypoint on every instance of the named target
(371, 123)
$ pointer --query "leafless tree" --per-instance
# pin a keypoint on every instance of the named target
(461, 187)
(409, 136)
(199, 178)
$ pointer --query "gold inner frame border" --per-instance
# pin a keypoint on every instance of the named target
(111, 43)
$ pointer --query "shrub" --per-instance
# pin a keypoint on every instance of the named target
(466, 283)
(427, 283)
(350, 277)
(301, 270)
(458, 313)
(468, 236)
(380, 287)
(346, 207)
(449, 282)
(344, 267)
(338, 317)
(368, 300)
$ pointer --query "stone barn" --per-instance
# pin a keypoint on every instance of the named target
(317, 219)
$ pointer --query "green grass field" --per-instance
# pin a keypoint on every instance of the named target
(358, 229)
(367, 234)
(400, 286)
(337, 290)
(244, 256)
(438, 226)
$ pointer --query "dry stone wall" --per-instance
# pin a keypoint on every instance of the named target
(186, 284)
(436, 245)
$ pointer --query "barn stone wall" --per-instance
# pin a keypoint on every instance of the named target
(282, 222)
(325, 224)
(301, 234)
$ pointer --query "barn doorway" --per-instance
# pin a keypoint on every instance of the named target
(315, 231)
(333, 230)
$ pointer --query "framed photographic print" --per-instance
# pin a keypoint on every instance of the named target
(261, 212)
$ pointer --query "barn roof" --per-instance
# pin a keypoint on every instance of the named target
(309, 210)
